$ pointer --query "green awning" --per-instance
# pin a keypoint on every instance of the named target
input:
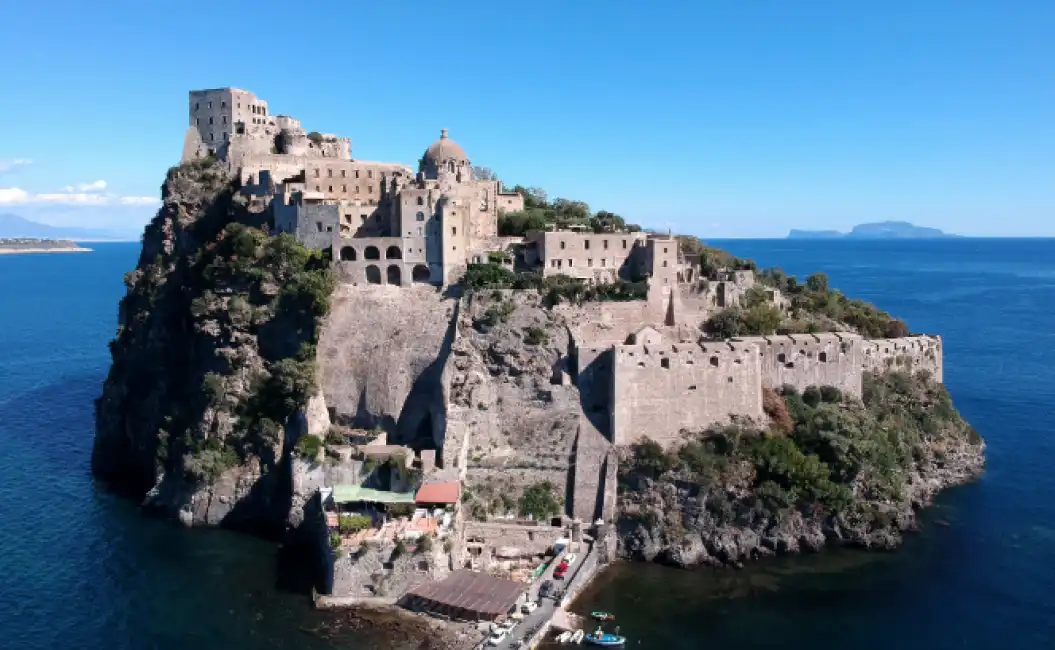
(354, 493)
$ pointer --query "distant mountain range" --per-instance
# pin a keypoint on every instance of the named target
(13, 226)
(880, 230)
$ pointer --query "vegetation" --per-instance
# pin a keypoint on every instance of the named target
(353, 523)
(309, 446)
(540, 501)
(226, 280)
(821, 450)
(534, 335)
(540, 213)
(554, 288)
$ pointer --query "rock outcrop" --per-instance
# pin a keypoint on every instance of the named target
(732, 495)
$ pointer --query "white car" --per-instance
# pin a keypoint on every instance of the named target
(497, 636)
(529, 607)
(570, 558)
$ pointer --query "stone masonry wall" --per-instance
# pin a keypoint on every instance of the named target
(910, 354)
(803, 360)
(658, 392)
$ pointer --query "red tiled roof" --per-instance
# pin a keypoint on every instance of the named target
(439, 493)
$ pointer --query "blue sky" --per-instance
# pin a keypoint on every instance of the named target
(722, 119)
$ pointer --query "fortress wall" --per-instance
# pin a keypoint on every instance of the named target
(411, 266)
(610, 323)
(594, 378)
(803, 360)
(659, 391)
(911, 354)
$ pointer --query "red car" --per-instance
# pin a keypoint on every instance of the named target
(562, 568)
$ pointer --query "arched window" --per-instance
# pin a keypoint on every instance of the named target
(373, 274)
(450, 166)
(348, 254)
(421, 273)
(421, 201)
(393, 253)
(372, 253)
(394, 275)
(420, 216)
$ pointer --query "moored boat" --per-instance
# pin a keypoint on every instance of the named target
(603, 616)
(577, 637)
(603, 639)
(563, 637)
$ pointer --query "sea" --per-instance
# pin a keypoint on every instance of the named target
(82, 568)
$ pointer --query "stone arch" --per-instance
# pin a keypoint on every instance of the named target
(450, 166)
(421, 273)
(420, 216)
(371, 253)
(373, 274)
(393, 253)
(394, 275)
(348, 254)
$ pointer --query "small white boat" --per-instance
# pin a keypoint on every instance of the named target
(577, 637)
(563, 637)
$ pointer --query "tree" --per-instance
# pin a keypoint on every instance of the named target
(538, 500)
(817, 283)
(726, 324)
(483, 174)
(761, 320)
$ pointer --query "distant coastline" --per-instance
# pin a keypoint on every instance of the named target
(878, 230)
(28, 246)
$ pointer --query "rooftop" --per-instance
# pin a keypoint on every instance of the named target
(355, 493)
(439, 493)
(466, 595)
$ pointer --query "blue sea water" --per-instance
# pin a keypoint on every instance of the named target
(80, 567)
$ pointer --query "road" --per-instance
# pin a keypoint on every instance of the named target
(546, 605)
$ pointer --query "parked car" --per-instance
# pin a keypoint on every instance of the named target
(570, 558)
(498, 636)
(529, 607)
(561, 570)
(545, 589)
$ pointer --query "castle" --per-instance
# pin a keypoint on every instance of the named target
(642, 366)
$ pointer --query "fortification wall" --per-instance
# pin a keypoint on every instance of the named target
(658, 392)
(803, 360)
(610, 323)
(381, 354)
(910, 354)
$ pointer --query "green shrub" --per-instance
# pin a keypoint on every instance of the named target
(539, 501)
(354, 523)
(309, 446)
(534, 335)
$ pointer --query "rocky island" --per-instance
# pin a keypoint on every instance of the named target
(431, 381)
(31, 245)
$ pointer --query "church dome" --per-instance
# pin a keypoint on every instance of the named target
(444, 150)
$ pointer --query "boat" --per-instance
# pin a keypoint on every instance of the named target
(603, 639)
(563, 637)
(577, 637)
(603, 616)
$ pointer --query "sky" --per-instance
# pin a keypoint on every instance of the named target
(719, 119)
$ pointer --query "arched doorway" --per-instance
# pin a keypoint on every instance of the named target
(348, 254)
(372, 253)
(393, 253)
(421, 273)
(373, 274)
(394, 274)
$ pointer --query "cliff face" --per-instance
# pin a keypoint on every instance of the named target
(214, 360)
(829, 470)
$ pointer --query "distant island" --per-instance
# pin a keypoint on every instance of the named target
(879, 230)
(14, 227)
(33, 245)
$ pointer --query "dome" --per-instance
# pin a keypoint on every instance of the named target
(443, 150)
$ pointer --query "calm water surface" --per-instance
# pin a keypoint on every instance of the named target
(81, 568)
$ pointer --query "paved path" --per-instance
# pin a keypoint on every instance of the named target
(546, 605)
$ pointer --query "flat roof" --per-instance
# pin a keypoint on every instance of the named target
(439, 493)
(353, 493)
(466, 595)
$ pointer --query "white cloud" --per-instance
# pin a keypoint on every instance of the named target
(10, 195)
(94, 186)
(13, 195)
(8, 166)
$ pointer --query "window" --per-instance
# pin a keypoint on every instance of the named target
(210, 137)
(357, 173)
(420, 216)
(318, 188)
(587, 244)
(356, 189)
(330, 189)
(589, 262)
(369, 189)
(665, 363)
(224, 135)
(454, 230)
(664, 249)
(329, 172)
(195, 105)
(554, 263)
(344, 188)
(210, 120)
(624, 244)
(344, 173)
(362, 218)
(571, 263)
(606, 244)
(316, 173)
(664, 263)
(197, 121)
(369, 173)
(421, 201)
(562, 245)
(210, 104)
(318, 226)
(224, 119)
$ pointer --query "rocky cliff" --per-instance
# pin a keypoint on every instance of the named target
(827, 470)
(214, 360)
